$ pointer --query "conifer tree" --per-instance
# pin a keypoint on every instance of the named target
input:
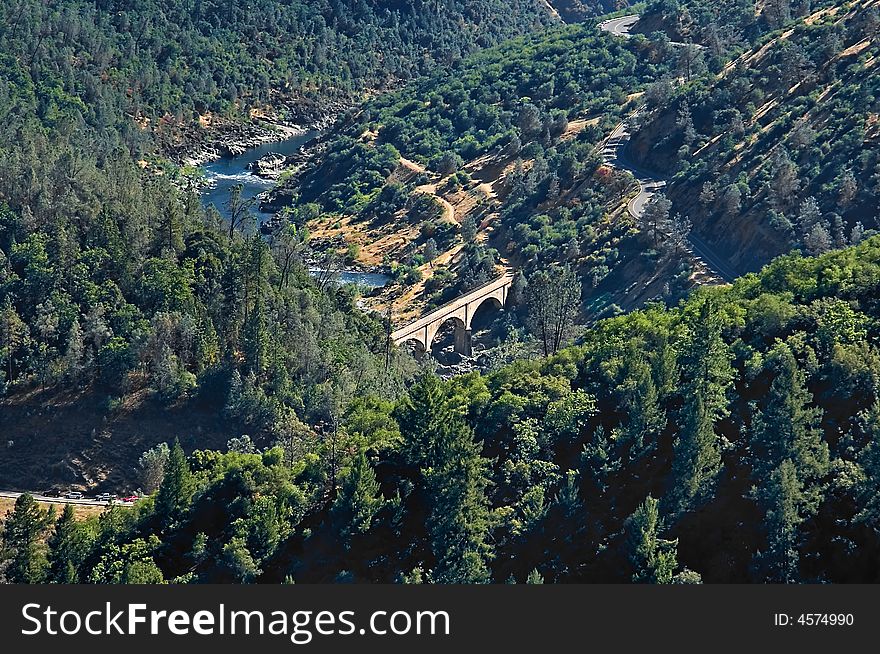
(640, 402)
(869, 461)
(68, 547)
(442, 447)
(788, 426)
(535, 577)
(458, 523)
(782, 499)
(708, 375)
(664, 365)
(358, 500)
(176, 489)
(23, 548)
(420, 416)
(653, 559)
(73, 355)
(789, 458)
(255, 339)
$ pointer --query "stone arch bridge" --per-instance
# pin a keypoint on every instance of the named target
(461, 311)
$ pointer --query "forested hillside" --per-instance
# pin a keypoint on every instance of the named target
(728, 26)
(509, 140)
(120, 297)
(151, 59)
(777, 149)
(630, 425)
(731, 439)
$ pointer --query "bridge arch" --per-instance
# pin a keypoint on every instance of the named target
(416, 345)
(461, 311)
(457, 321)
(495, 302)
(462, 334)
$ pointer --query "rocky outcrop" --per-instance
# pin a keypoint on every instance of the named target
(294, 165)
(194, 145)
(269, 166)
(232, 140)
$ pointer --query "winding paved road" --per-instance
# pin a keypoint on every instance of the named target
(620, 26)
(614, 155)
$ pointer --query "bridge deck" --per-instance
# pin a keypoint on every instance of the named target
(450, 307)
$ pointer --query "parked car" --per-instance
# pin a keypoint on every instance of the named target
(73, 495)
(54, 492)
(104, 497)
(130, 499)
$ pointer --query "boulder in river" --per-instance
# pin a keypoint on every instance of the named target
(269, 166)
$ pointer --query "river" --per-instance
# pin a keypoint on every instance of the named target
(223, 174)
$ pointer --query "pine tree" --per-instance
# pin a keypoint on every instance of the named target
(458, 524)
(857, 234)
(68, 547)
(420, 416)
(789, 458)
(708, 194)
(708, 375)
(440, 445)
(534, 577)
(176, 489)
(782, 499)
(656, 217)
(23, 548)
(238, 209)
(14, 337)
(788, 425)
(553, 298)
(731, 200)
(640, 401)
(469, 230)
(256, 340)
(430, 252)
(785, 184)
(653, 559)
(518, 289)
(599, 463)
(664, 365)
(359, 499)
(151, 466)
(73, 355)
(869, 460)
(849, 188)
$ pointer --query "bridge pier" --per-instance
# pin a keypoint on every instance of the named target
(463, 344)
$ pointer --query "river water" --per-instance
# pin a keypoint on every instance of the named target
(223, 174)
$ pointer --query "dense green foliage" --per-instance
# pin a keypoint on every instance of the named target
(113, 279)
(733, 438)
(185, 58)
(725, 27)
(730, 438)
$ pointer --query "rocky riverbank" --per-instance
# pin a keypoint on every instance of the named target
(234, 140)
(195, 145)
(293, 165)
